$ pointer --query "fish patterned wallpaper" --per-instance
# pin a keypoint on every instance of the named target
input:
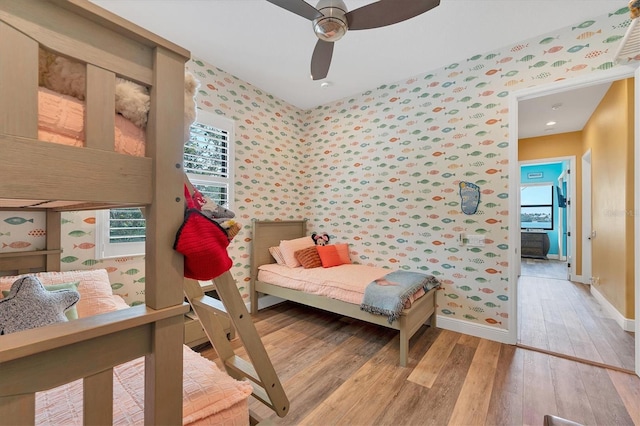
(23, 231)
(382, 170)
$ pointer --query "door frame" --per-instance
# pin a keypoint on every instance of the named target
(571, 217)
(617, 73)
(587, 225)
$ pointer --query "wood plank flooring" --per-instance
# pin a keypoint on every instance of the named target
(339, 371)
(563, 317)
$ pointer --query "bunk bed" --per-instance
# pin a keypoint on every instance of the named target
(267, 234)
(39, 175)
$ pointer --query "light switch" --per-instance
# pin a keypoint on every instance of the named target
(475, 240)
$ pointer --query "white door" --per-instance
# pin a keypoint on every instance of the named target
(587, 231)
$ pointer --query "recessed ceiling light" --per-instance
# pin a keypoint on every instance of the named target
(325, 84)
(550, 123)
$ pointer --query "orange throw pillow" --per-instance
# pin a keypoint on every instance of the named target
(309, 258)
(334, 255)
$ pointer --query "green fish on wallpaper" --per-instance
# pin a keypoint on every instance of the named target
(621, 11)
(17, 220)
(78, 233)
(584, 25)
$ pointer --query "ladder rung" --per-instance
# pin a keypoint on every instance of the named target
(243, 367)
(261, 395)
(210, 302)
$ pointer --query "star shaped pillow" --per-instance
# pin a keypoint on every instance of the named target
(29, 305)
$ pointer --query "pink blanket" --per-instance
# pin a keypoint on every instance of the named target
(61, 120)
(344, 282)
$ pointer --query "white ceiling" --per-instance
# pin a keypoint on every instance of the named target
(569, 110)
(271, 48)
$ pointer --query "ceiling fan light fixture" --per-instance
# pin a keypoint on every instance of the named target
(329, 28)
(333, 24)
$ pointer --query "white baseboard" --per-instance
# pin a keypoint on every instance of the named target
(478, 330)
(625, 323)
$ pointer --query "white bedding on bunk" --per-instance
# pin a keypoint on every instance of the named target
(210, 396)
(345, 282)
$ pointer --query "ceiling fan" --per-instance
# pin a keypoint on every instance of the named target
(331, 21)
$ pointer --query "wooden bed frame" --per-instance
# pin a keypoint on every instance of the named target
(269, 233)
(52, 177)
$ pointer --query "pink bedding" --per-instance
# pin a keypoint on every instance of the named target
(61, 120)
(345, 282)
(210, 396)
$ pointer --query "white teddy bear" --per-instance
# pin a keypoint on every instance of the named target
(132, 100)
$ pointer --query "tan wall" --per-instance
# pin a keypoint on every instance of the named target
(609, 135)
(553, 146)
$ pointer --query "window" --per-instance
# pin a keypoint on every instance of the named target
(208, 162)
(536, 206)
(208, 158)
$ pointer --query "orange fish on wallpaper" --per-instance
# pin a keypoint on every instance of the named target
(16, 244)
(90, 220)
(84, 246)
(37, 233)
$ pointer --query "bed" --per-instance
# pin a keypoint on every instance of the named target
(210, 397)
(36, 174)
(267, 234)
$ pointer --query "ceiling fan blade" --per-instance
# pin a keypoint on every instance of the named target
(321, 59)
(387, 12)
(299, 7)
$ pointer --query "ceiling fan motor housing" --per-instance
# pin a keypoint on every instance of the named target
(333, 24)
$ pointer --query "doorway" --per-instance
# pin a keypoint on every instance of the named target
(546, 218)
(514, 185)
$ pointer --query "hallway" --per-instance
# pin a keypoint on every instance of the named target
(560, 316)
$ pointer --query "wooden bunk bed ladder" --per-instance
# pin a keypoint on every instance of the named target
(266, 384)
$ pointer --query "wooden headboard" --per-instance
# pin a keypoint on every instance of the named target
(269, 233)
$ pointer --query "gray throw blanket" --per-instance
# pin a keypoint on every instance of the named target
(387, 295)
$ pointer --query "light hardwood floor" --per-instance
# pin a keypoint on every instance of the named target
(561, 316)
(339, 371)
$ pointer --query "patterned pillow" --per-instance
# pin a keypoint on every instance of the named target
(277, 255)
(29, 305)
(309, 257)
(288, 248)
(96, 296)
(72, 312)
(334, 255)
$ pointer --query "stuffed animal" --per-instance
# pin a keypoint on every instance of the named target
(634, 8)
(320, 239)
(63, 75)
(190, 87)
(132, 100)
(29, 305)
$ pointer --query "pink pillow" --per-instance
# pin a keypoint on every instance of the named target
(288, 248)
(96, 296)
(334, 255)
(277, 255)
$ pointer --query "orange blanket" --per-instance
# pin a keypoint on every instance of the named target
(61, 120)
